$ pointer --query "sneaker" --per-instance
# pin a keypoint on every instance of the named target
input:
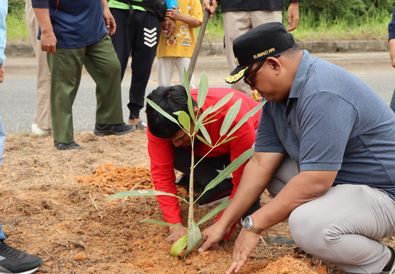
(40, 132)
(216, 195)
(15, 261)
(390, 269)
(67, 146)
(115, 129)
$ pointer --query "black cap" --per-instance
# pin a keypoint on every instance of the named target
(257, 45)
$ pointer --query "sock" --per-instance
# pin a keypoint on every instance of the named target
(391, 261)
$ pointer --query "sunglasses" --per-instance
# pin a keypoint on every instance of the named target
(250, 76)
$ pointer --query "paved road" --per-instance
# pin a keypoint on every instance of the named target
(17, 99)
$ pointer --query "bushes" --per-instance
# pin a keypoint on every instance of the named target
(349, 10)
(16, 6)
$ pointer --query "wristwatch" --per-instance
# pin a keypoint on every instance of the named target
(248, 224)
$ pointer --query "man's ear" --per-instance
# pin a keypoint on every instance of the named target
(274, 63)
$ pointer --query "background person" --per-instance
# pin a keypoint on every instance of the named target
(169, 149)
(137, 36)
(42, 123)
(337, 184)
(69, 48)
(240, 16)
(176, 50)
(11, 260)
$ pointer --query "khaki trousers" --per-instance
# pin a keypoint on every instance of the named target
(237, 23)
(344, 226)
(42, 115)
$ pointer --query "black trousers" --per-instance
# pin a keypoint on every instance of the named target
(137, 36)
(205, 171)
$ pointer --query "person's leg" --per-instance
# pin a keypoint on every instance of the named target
(2, 142)
(288, 169)
(182, 64)
(260, 17)
(103, 65)
(344, 225)
(392, 104)
(204, 172)
(146, 30)
(42, 123)
(236, 23)
(65, 66)
(120, 39)
(2, 235)
(165, 70)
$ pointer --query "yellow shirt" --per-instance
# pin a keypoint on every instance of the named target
(182, 42)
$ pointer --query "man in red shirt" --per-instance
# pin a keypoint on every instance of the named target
(169, 148)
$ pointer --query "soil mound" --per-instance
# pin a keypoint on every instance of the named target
(109, 178)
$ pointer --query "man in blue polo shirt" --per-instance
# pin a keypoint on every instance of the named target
(75, 34)
(325, 149)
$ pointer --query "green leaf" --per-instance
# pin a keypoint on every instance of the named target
(228, 170)
(189, 100)
(203, 140)
(140, 193)
(214, 212)
(157, 222)
(202, 116)
(194, 236)
(161, 111)
(203, 89)
(179, 246)
(227, 140)
(184, 120)
(247, 116)
(222, 102)
(230, 117)
(206, 136)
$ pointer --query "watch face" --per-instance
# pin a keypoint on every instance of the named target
(247, 222)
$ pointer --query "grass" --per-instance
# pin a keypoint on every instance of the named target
(369, 27)
(16, 28)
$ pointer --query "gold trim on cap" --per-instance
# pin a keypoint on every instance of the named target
(264, 53)
(235, 78)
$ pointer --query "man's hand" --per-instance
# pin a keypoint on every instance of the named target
(48, 41)
(109, 20)
(293, 16)
(210, 6)
(212, 235)
(244, 245)
(391, 45)
(1, 73)
(176, 232)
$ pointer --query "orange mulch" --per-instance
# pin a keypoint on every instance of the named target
(110, 179)
(288, 265)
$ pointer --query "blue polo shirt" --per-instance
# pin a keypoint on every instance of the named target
(76, 24)
(332, 121)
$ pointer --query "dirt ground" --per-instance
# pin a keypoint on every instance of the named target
(53, 203)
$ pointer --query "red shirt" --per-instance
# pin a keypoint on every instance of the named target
(161, 150)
